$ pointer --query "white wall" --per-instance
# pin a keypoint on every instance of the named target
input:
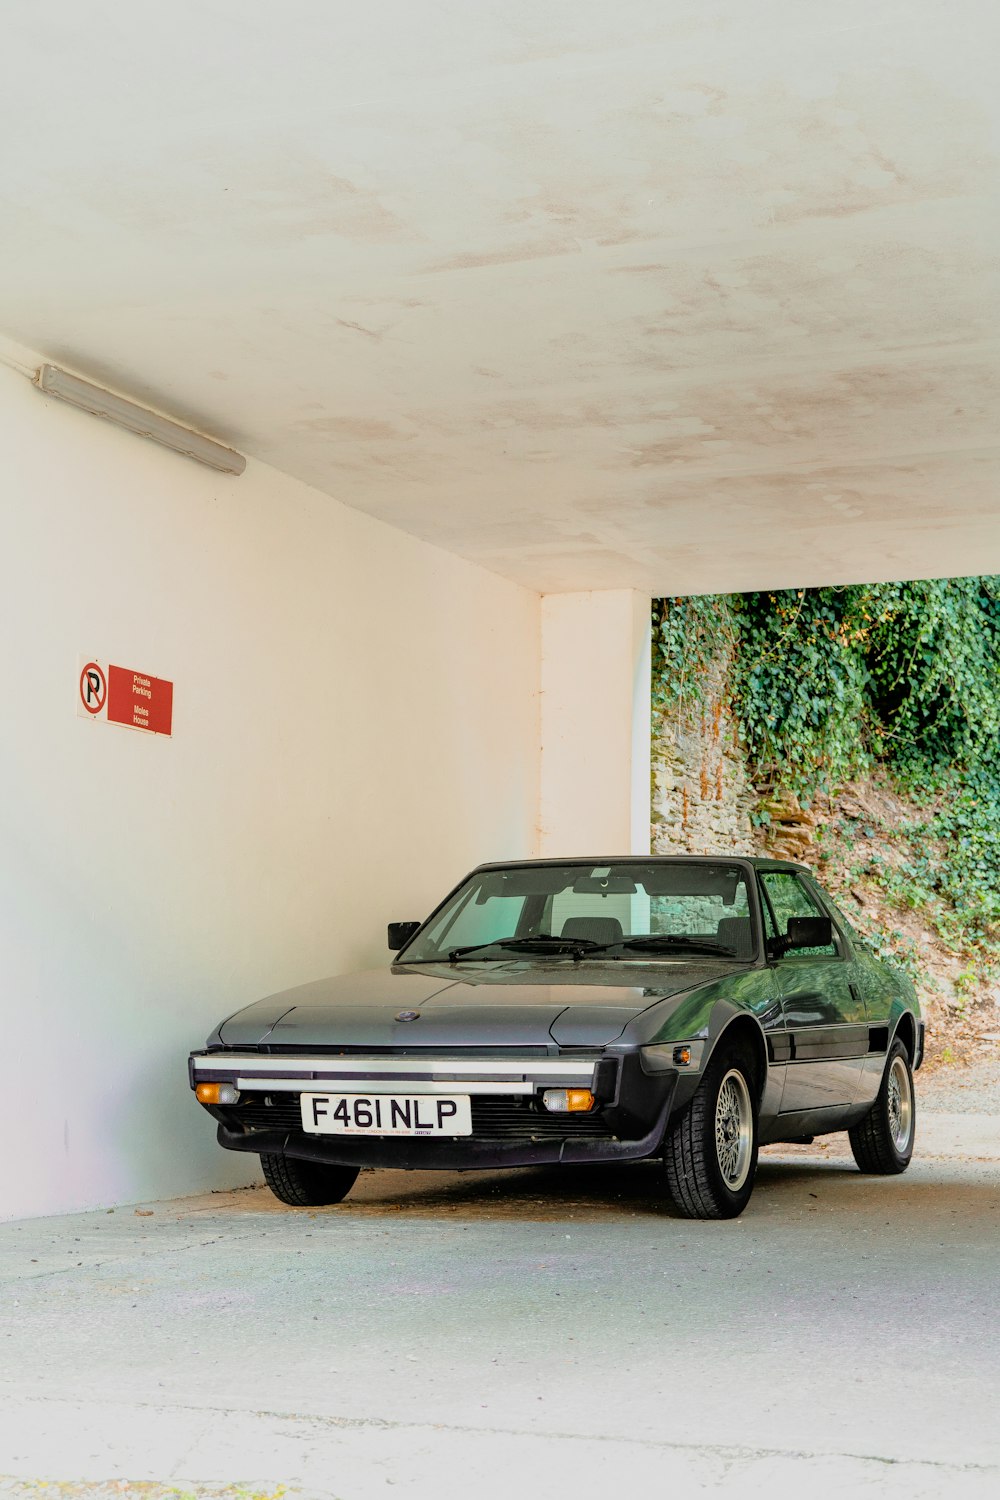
(595, 723)
(355, 724)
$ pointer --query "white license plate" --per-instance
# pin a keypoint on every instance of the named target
(386, 1114)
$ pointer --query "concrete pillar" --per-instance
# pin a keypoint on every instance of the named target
(595, 723)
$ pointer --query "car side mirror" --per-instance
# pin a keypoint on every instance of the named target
(803, 932)
(400, 934)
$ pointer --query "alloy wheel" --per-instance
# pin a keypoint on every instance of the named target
(900, 1104)
(733, 1130)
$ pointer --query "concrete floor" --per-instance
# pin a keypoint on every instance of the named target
(557, 1332)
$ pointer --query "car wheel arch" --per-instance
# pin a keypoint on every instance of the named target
(742, 1028)
(906, 1032)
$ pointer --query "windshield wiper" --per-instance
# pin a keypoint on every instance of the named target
(658, 941)
(542, 942)
(578, 948)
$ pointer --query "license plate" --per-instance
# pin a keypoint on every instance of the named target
(386, 1114)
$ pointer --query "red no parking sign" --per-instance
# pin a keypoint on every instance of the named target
(117, 695)
(93, 687)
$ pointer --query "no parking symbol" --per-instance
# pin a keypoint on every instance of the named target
(93, 688)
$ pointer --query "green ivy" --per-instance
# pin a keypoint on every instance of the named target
(693, 642)
(829, 684)
(934, 660)
(800, 687)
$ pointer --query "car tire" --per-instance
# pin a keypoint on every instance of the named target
(883, 1141)
(306, 1184)
(710, 1153)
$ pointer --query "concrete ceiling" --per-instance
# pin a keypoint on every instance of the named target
(682, 296)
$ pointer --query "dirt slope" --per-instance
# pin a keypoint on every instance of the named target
(862, 846)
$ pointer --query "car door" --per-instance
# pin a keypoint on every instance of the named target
(822, 1001)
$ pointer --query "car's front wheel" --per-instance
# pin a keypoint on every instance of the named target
(711, 1152)
(883, 1141)
(306, 1184)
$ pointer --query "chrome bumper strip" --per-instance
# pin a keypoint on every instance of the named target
(355, 1085)
(249, 1071)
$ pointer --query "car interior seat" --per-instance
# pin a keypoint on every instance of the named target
(736, 933)
(596, 929)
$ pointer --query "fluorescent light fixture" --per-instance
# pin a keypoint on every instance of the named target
(138, 419)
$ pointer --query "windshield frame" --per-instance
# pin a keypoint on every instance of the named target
(636, 957)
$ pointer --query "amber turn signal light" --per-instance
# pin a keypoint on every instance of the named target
(567, 1101)
(217, 1093)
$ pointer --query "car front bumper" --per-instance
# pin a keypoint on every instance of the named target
(629, 1120)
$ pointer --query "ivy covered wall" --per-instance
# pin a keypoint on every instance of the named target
(772, 709)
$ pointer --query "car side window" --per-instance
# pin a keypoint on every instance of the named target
(789, 898)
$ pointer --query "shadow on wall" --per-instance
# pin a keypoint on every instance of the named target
(97, 1117)
(158, 1131)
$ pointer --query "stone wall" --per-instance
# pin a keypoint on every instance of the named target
(701, 795)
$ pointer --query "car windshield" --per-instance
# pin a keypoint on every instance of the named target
(628, 911)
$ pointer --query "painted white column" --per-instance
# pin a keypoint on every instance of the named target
(595, 723)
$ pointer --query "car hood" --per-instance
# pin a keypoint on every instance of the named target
(500, 1005)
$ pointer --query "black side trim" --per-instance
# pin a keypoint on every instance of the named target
(878, 1039)
(780, 1046)
(827, 1043)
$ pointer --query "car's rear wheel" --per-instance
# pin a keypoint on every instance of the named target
(883, 1141)
(306, 1184)
(710, 1154)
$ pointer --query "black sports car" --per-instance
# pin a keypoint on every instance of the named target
(584, 1010)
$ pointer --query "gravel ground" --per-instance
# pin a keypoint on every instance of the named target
(972, 1089)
